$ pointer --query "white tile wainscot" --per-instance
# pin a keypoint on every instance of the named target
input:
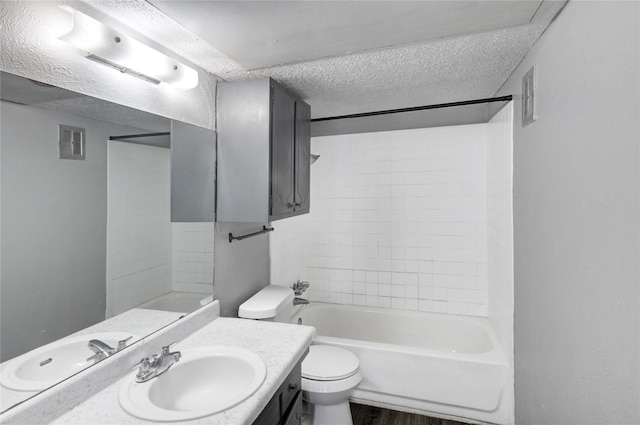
(279, 345)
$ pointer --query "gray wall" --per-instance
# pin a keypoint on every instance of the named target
(576, 221)
(53, 229)
(241, 268)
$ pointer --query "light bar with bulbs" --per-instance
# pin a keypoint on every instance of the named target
(109, 47)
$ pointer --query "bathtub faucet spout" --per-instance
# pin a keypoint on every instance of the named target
(300, 301)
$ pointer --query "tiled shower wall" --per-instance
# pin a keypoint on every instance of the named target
(288, 247)
(192, 258)
(147, 255)
(138, 229)
(398, 220)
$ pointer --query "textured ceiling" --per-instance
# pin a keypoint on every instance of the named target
(446, 70)
(261, 34)
(440, 70)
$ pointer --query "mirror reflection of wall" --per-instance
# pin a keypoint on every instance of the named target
(86, 240)
(54, 218)
(148, 256)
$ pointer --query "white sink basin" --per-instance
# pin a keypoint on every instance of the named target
(205, 381)
(45, 366)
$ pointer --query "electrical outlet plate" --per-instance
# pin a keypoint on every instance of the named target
(71, 142)
(529, 112)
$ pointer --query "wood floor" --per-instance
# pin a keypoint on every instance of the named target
(369, 415)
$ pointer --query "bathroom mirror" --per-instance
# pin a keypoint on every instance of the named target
(87, 246)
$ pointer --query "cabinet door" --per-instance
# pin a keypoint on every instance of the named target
(303, 157)
(282, 152)
(193, 173)
(294, 415)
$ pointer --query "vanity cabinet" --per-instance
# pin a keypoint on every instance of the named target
(285, 407)
(263, 152)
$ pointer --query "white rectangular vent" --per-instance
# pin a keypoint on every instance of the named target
(71, 142)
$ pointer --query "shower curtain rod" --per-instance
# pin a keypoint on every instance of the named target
(417, 108)
(135, 136)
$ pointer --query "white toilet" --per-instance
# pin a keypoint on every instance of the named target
(329, 374)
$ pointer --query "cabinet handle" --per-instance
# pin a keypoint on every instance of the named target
(293, 387)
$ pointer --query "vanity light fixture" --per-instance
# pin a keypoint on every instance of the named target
(112, 48)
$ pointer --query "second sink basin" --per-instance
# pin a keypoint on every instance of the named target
(47, 365)
(205, 381)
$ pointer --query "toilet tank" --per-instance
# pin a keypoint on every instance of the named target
(273, 303)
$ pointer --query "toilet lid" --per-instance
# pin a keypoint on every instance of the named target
(326, 363)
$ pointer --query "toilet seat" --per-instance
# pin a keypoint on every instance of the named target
(334, 387)
(327, 363)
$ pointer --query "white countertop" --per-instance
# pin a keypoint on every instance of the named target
(280, 346)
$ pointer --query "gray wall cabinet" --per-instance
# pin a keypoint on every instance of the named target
(193, 175)
(263, 152)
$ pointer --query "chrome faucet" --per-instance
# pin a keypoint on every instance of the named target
(300, 287)
(300, 301)
(102, 350)
(158, 365)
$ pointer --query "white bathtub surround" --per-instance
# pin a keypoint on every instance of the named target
(192, 257)
(139, 228)
(500, 267)
(46, 406)
(398, 220)
(500, 223)
(436, 364)
(279, 345)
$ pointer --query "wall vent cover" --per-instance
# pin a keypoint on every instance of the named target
(529, 110)
(72, 142)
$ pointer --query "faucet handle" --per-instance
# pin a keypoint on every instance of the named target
(300, 286)
(166, 348)
(123, 343)
(176, 354)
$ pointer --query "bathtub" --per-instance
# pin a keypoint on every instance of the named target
(181, 302)
(428, 363)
